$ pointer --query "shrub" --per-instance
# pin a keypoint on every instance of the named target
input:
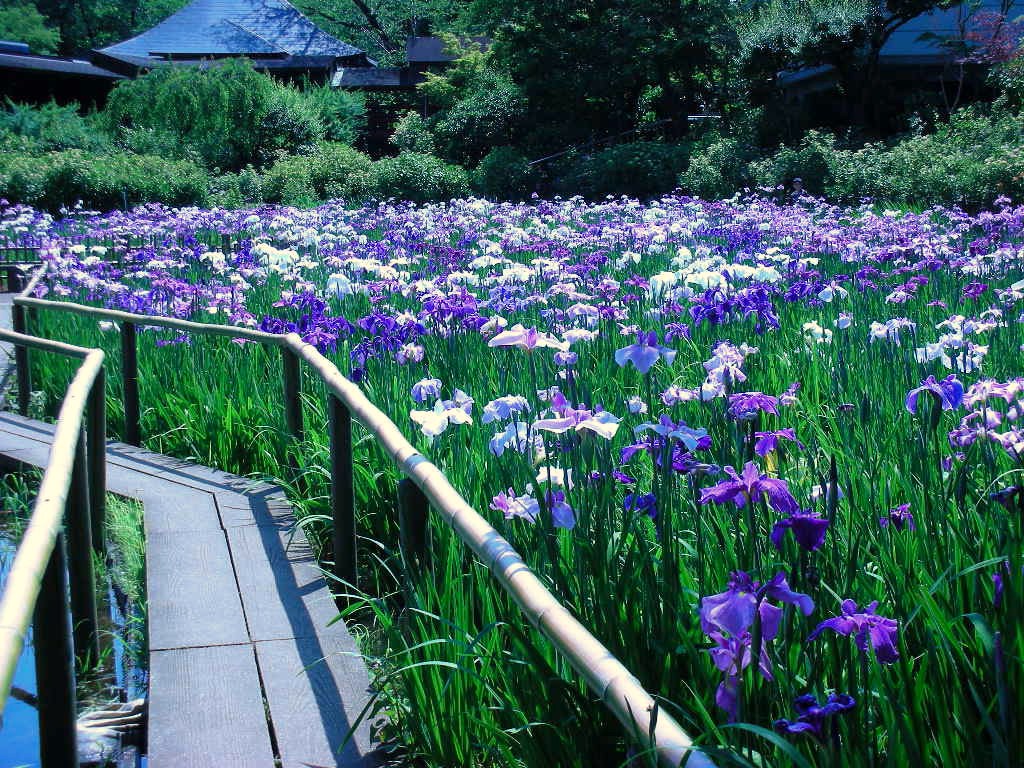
(343, 113)
(236, 190)
(229, 114)
(718, 167)
(412, 135)
(813, 162)
(419, 178)
(640, 169)
(331, 171)
(156, 141)
(505, 173)
(52, 127)
(969, 160)
(488, 114)
(60, 179)
(290, 126)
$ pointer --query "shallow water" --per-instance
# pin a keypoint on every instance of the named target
(19, 736)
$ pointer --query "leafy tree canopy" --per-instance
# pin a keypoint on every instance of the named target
(23, 23)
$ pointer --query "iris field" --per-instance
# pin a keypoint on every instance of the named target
(771, 455)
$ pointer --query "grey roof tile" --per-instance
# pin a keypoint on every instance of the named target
(207, 28)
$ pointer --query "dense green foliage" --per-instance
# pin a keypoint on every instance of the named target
(229, 114)
(419, 178)
(56, 180)
(505, 174)
(22, 22)
(970, 160)
(642, 169)
(48, 127)
(331, 171)
(571, 97)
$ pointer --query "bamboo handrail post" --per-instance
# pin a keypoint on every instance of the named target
(85, 621)
(343, 537)
(21, 360)
(55, 666)
(413, 510)
(130, 380)
(292, 376)
(96, 450)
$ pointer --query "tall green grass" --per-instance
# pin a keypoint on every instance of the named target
(465, 682)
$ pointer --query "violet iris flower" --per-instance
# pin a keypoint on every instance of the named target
(426, 390)
(949, 392)
(645, 353)
(645, 503)
(728, 619)
(808, 529)
(745, 406)
(751, 486)
(899, 518)
(812, 716)
(562, 515)
(525, 506)
(865, 626)
(769, 441)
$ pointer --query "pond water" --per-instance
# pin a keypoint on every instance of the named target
(121, 678)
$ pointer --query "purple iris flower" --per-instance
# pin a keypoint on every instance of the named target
(645, 353)
(524, 507)
(808, 529)
(562, 515)
(812, 716)
(974, 290)
(899, 518)
(733, 611)
(426, 390)
(646, 503)
(728, 619)
(751, 486)
(769, 441)
(865, 626)
(949, 392)
(1007, 496)
(745, 406)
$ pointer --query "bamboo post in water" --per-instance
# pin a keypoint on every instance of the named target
(21, 360)
(343, 537)
(55, 666)
(130, 377)
(292, 376)
(80, 570)
(96, 451)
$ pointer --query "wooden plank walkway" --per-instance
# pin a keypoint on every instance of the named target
(244, 670)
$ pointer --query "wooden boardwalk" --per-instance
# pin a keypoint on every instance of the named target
(244, 669)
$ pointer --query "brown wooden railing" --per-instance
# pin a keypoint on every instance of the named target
(425, 487)
(56, 550)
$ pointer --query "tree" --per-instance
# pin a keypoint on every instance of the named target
(590, 68)
(382, 26)
(847, 35)
(23, 23)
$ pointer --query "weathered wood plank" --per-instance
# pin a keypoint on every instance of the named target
(233, 597)
(192, 593)
(180, 511)
(283, 591)
(206, 709)
(315, 694)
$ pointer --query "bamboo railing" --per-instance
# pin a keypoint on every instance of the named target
(425, 485)
(56, 551)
